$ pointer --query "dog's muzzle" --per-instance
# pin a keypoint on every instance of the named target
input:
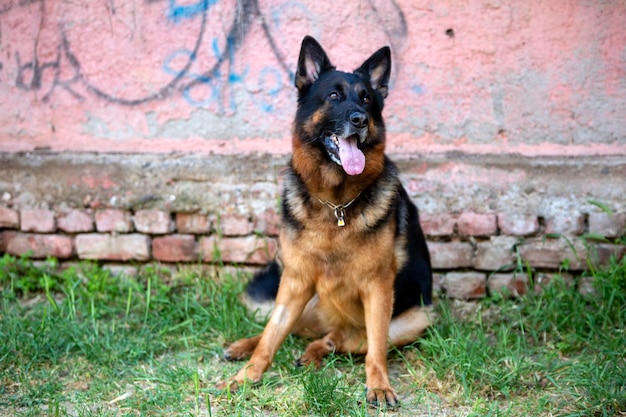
(343, 146)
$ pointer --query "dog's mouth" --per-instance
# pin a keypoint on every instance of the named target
(344, 151)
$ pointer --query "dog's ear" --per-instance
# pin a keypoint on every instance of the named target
(312, 62)
(377, 69)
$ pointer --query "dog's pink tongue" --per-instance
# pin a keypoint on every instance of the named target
(352, 158)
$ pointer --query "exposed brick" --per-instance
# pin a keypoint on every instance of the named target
(476, 224)
(565, 223)
(465, 285)
(231, 224)
(76, 221)
(600, 254)
(75, 265)
(113, 220)
(9, 218)
(514, 284)
(237, 271)
(5, 236)
(165, 271)
(175, 248)
(47, 264)
(37, 220)
(121, 269)
(268, 223)
(517, 224)
(437, 224)
(247, 250)
(495, 254)
(437, 280)
(219, 271)
(40, 246)
(607, 225)
(450, 255)
(113, 247)
(541, 280)
(551, 253)
(195, 223)
(585, 285)
(154, 222)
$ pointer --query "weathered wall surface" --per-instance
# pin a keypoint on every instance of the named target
(156, 130)
(482, 76)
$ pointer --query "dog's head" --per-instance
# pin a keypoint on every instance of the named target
(340, 113)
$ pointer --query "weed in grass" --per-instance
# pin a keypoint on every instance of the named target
(325, 391)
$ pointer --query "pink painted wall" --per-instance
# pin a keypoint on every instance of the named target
(482, 76)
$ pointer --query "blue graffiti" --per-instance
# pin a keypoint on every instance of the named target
(178, 12)
(276, 77)
(218, 89)
(418, 89)
(195, 78)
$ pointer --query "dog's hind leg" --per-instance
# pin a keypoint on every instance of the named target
(335, 341)
(404, 329)
(316, 351)
(409, 326)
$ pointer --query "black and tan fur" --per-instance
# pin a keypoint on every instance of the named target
(360, 288)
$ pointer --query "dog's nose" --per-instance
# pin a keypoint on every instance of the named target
(358, 119)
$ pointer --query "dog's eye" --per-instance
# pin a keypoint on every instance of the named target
(366, 100)
(333, 95)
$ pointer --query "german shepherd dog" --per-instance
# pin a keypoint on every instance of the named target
(353, 268)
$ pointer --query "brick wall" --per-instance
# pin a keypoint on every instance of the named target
(473, 254)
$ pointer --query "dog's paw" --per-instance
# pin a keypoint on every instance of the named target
(306, 360)
(235, 355)
(236, 383)
(248, 376)
(379, 397)
(311, 356)
(240, 350)
(315, 353)
(227, 385)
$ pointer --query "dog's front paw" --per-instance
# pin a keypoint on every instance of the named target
(381, 397)
(236, 383)
(227, 385)
(247, 376)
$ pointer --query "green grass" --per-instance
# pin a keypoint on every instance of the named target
(84, 343)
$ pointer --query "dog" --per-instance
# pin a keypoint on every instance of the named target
(353, 269)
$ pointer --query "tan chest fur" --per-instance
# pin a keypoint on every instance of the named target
(341, 262)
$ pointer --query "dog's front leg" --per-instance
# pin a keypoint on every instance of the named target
(293, 295)
(378, 305)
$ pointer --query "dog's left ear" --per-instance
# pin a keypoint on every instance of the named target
(378, 69)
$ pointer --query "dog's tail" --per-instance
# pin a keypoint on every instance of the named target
(262, 289)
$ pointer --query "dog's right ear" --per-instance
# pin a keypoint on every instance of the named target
(312, 62)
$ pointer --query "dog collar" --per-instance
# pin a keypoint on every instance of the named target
(339, 209)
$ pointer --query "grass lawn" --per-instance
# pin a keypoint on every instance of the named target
(84, 343)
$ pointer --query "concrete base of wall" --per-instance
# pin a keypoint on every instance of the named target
(481, 214)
